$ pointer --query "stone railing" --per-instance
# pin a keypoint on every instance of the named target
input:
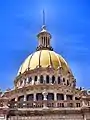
(49, 104)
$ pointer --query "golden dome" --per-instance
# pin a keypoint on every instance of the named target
(44, 59)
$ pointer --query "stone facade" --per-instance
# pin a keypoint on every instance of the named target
(68, 114)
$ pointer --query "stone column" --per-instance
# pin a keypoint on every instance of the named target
(5, 117)
(55, 96)
(50, 79)
(44, 79)
(84, 104)
(73, 97)
(56, 80)
(85, 117)
(34, 96)
(25, 99)
(45, 41)
(40, 41)
(23, 82)
(16, 100)
(55, 99)
(45, 98)
(27, 80)
(38, 79)
(65, 98)
(34, 100)
(74, 104)
(33, 82)
(48, 41)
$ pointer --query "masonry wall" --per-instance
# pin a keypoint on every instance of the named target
(51, 117)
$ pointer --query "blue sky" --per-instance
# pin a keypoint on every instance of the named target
(67, 20)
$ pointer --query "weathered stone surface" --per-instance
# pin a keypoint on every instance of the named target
(51, 117)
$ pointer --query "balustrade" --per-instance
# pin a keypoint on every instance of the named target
(48, 103)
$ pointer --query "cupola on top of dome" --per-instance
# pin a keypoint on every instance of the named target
(44, 37)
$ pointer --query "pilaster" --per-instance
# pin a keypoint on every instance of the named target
(65, 97)
(55, 96)
(45, 79)
(34, 96)
(27, 80)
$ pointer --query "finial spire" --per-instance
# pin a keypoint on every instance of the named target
(43, 17)
(43, 26)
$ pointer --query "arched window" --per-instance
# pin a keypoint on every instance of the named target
(30, 79)
(41, 79)
(69, 97)
(29, 97)
(50, 96)
(59, 80)
(39, 96)
(63, 79)
(21, 98)
(60, 96)
(47, 79)
(35, 78)
(53, 79)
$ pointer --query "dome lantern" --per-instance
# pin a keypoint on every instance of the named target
(44, 37)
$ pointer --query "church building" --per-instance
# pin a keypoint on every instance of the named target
(45, 88)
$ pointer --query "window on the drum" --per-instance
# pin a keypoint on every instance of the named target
(30, 79)
(59, 80)
(41, 79)
(35, 78)
(53, 79)
(47, 79)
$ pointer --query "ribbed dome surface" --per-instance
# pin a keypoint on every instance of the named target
(43, 58)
